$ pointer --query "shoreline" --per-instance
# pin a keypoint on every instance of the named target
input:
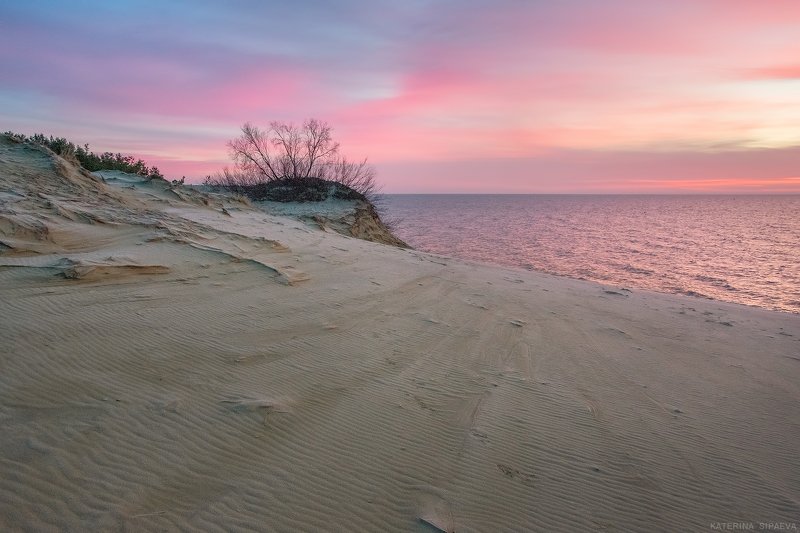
(608, 284)
(608, 241)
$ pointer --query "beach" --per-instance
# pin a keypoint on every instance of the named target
(177, 361)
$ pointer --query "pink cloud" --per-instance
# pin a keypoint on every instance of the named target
(242, 95)
(611, 77)
(785, 72)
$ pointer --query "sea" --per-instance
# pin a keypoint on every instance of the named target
(743, 248)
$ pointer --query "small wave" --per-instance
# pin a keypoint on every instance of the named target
(708, 279)
(716, 282)
(686, 292)
(694, 293)
(637, 270)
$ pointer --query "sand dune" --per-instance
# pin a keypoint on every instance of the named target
(167, 365)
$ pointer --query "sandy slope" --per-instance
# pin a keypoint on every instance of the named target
(165, 365)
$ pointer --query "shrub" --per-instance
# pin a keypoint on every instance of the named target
(88, 159)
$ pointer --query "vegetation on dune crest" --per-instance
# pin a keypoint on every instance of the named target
(284, 163)
(288, 163)
(88, 159)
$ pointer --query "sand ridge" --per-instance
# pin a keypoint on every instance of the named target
(236, 370)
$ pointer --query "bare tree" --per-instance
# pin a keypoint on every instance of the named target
(358, 176)
(286, 162)
(285, 151)
(289, 152)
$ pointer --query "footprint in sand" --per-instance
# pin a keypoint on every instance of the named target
(266, 406)
(435, 512)
(513, 473)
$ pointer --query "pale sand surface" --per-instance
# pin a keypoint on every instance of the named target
(167, 366)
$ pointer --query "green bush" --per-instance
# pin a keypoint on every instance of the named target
(88, 159)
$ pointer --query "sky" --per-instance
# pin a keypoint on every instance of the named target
(442, 96)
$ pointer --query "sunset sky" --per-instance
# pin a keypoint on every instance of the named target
(503, 96)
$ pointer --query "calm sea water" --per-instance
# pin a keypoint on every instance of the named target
(743, 249)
